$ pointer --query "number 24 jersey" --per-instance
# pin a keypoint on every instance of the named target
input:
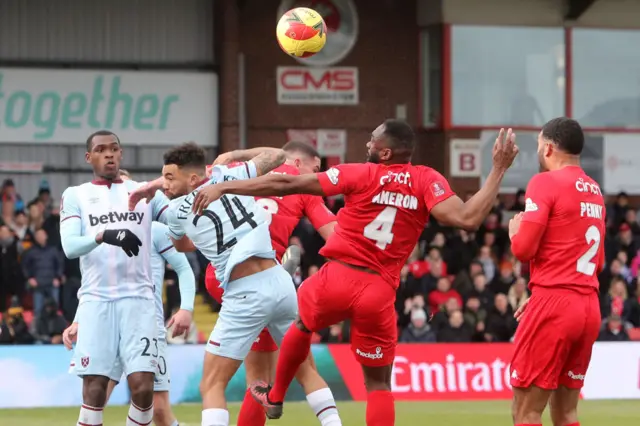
(230, 230)
(570, 205)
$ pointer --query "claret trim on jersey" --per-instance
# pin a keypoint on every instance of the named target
(106, 182)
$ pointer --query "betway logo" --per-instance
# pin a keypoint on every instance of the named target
(115, 217)
(450, 376)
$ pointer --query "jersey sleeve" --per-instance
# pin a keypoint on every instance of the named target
(436, 190)
(538, 199)
(239, 171)
(74, 244)
(161, 241)
(344, 179)
(175, 228)
(159, 205)
(317, 212)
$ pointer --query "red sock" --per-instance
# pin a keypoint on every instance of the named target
(381, 410)
(251, 412)
(293, 351)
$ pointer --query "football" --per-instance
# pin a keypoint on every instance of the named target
(301, 32)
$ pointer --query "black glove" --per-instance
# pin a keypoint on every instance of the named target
(123, 238)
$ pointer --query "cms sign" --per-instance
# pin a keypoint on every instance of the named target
(328, 86)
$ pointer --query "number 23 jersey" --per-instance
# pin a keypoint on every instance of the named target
(386, 209)
(230, 230)
(570, 205)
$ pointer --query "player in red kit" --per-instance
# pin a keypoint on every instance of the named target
(387, 204)
(561, 233)
(286, 214)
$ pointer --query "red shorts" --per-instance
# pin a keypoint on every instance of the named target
(337, 293)
(555, 338)
(264, 342)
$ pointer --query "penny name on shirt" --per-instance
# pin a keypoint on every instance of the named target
(398, 200)
(591, 210)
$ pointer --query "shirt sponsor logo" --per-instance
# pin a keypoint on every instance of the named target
(116, 217)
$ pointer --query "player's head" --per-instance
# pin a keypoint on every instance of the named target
(391, 143)
(184, 169)
(104, 153)
(303, 156)
(125, 175)
(560, 141)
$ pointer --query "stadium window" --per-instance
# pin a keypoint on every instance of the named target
(431, 75)
(606, 78)
(506, 75)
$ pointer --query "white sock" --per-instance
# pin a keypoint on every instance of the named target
(139, 416)
(175, 423)
(89, 416)
(324, 406)
(215, 417)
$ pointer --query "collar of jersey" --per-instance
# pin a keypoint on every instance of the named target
(106, 182)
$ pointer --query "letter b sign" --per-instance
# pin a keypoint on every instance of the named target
(464, 157)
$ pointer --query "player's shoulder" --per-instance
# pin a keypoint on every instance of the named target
(77, 191)
(423, 171)
(159, 228)
(132, 184)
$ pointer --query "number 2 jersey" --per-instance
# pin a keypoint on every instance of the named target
(386, 209)
(230, 230)
(570, 205)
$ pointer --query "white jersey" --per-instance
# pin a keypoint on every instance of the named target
(107, 272)
(230, 230)
(162, 248)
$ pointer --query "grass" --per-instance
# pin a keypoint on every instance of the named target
(592, 413)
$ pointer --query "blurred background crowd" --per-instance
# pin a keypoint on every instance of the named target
(457, 286)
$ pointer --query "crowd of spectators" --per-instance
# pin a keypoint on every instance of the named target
(457, 286)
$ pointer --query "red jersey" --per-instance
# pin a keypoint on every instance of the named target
(386, 209)
(571, 207)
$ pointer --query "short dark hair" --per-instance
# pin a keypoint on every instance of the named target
(100, 133)
(125, 172)
(400, 133)
(566, 133)
(303, 147)
(186, 155)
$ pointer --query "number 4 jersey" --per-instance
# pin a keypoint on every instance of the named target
(569, 204)
(386, 209)
(230, 230)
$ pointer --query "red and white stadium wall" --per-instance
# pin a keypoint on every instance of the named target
(33, 376)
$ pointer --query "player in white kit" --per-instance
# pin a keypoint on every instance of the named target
(116, 299)
(233, 234)
(162, 251)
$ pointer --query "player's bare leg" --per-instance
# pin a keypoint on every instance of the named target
(217, 372)
(380, 401)
(563, 406)
(141, 408)
(529, 404)
(259, 367)
(94, 398)
(162, 414)
(319, 396)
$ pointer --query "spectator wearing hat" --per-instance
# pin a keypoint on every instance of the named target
(624, 241)
(419, 330)
(614, 330)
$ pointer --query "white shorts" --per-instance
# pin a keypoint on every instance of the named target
(266, 299)
(120, 331)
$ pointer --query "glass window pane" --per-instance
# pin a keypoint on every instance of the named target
(431, 74)
(606, 78)
(506, 75)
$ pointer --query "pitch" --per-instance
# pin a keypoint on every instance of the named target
(593, 413)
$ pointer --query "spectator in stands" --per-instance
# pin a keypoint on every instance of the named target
(44, 197)
(500, 325)
(441, 318)
(481, 291)
(337, 333)
(518, 294)
(21, 229)
(617, 301)
(50, 324)
(8, 193)
(492, 225)
(11, 278)
(8, 213)
(463, 282)
(435, 259)
(411, 304)
(518, 205)
(13, 327)
(71, 287)
(618, 210)
(623, 242)
(464, 247)
(614, 330)
(456, 331)
(419, 330)
(52, 225)
(488, 263)
(631, 219)
(605, 278)
(502, 282)
(43, 268)
(625, 271)
(36, 216)
(475, 316)
(441, 294)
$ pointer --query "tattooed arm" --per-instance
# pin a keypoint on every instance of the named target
(267, 159)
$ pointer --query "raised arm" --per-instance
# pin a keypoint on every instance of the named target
(74, 244)
(267, 159)
(470, 215)
(249, 154)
